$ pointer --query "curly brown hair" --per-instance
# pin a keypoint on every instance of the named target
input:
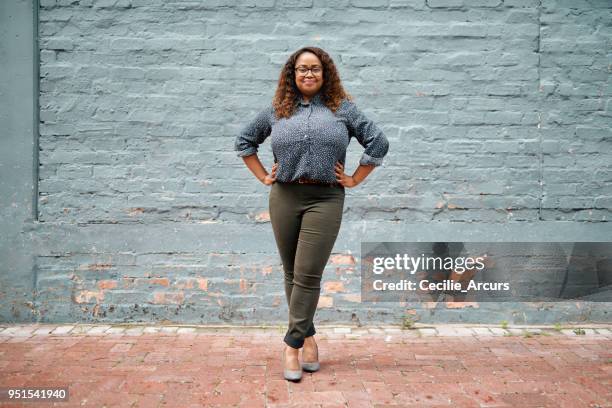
(288, 95)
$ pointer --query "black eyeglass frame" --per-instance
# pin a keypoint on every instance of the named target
(310, 69)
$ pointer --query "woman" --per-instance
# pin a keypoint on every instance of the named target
(311, 121)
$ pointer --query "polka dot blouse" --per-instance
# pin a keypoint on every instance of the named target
(313, 139)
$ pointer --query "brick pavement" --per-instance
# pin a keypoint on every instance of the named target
(197, 366)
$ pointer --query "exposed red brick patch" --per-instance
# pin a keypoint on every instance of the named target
(134, 211)
(88, 296)
(107, 284)
(341, 259)
(333, 286)
(263, 216)
(168, 297)
(344, 270)
(160, 281)
(203, 283)
(244, 286)
(461, 305)
(325, 301)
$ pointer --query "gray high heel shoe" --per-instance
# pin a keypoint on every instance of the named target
(291, 375)
(312, 367)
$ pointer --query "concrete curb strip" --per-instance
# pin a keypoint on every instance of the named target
(440, 330)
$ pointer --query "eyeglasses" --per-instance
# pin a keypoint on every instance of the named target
(303, 70)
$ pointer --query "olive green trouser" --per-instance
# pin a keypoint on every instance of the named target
(306, 219)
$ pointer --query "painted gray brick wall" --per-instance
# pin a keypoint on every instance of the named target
(497, 112)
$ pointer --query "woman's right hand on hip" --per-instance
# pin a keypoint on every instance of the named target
(271, 178)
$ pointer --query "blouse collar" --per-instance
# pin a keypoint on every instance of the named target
(315, 99)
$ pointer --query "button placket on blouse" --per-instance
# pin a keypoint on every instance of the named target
(308, 129)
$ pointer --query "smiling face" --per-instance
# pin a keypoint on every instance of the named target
(309, 82)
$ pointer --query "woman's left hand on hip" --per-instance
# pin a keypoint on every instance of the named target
(343, 179)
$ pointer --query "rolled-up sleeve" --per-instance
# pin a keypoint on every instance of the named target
(254, 133)
(368, 135)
